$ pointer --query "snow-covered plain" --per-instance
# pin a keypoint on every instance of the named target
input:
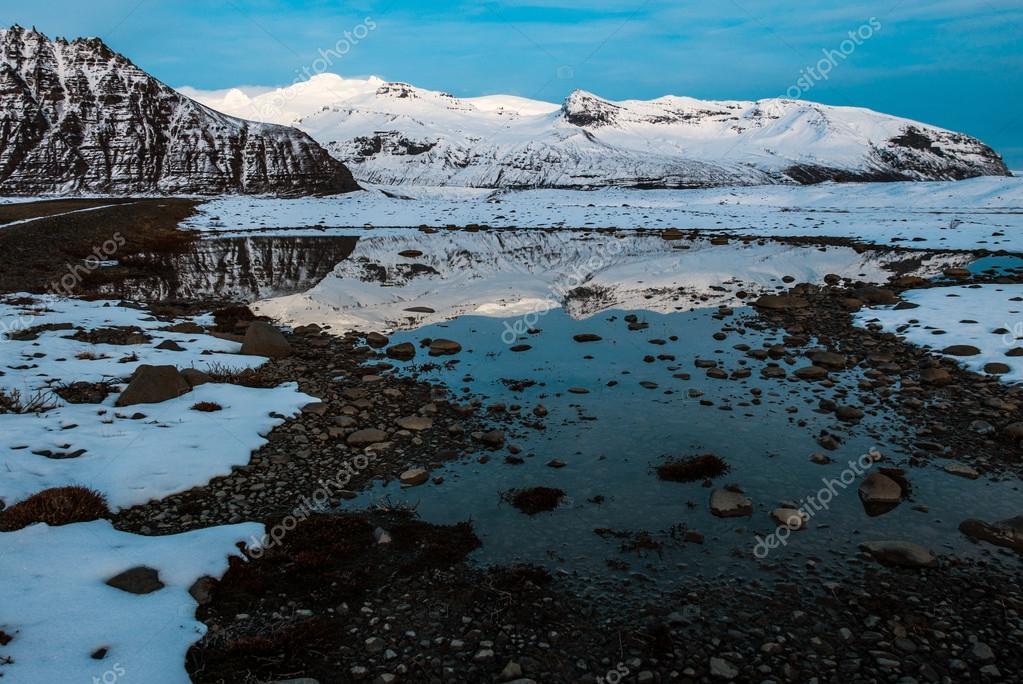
(511, 273)
(980, 213)
(988, 317)
(58, 609)
(54, 600)
(131, 454)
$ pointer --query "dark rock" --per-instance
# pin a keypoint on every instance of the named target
(263, 339)
(137, 580)
(85, 119)
(153, 384)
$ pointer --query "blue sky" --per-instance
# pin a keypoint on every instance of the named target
(953, 63)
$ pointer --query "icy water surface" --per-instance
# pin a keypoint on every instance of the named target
(612, 438)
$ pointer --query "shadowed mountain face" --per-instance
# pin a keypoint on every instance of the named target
(78, 117)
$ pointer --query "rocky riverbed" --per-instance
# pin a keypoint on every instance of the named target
(445, 505)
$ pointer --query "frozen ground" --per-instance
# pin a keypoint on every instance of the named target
(987, 317)
(524, 272)
(66, 624)
(130, 454)
(977, 213)
(59, 611)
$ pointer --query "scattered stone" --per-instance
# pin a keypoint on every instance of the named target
(367, 436)
(415, 423)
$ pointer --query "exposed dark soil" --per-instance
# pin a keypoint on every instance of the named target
(55, 253)
(21, 211)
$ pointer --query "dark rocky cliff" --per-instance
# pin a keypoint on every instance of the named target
(76, 117)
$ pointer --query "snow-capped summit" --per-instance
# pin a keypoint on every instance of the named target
(394, 133)
(78, 117)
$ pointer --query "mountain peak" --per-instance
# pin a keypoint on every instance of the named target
(586, 110)
(87, 120)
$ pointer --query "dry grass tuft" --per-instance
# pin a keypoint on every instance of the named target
(207, 406)
(57, 506)
(16, 402)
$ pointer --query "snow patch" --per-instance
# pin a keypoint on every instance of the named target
(988, 317)
(55, 603)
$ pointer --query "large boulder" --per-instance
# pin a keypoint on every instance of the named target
(263, 339)
(153, 384)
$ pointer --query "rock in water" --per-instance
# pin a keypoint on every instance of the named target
(726, 503)
(263, 339)
(153, 384)
(900, 554)
(879, 488)
(444, 347)
(82, 118)
(413, 477)
(1007, 533)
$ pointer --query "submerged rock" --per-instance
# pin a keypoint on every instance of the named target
(1007, 533)
(727, 503)
(900, 554)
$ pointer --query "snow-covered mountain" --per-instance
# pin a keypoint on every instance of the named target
(396, 133)
(78, 117)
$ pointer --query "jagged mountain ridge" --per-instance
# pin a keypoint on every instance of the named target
(395, 133)
(75, 116)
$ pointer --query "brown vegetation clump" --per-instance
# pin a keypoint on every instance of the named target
(691, 469)
(57, 506)
(207, 406)
(535, 499)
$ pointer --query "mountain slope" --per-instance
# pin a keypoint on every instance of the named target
(397, 133)
(78, 117)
